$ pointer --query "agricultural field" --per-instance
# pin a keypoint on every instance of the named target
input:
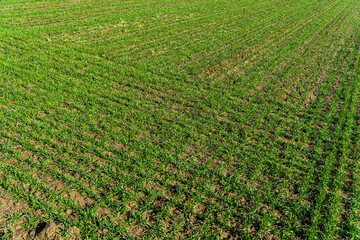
(181, 119)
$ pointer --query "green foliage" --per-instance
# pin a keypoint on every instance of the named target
(181, 119)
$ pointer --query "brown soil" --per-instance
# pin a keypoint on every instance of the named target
(15, 213)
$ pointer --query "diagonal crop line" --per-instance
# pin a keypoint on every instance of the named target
(317, 57)
(252, 55)
(330, 160)
(244, 91)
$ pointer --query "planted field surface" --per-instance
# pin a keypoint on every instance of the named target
(180, 119)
